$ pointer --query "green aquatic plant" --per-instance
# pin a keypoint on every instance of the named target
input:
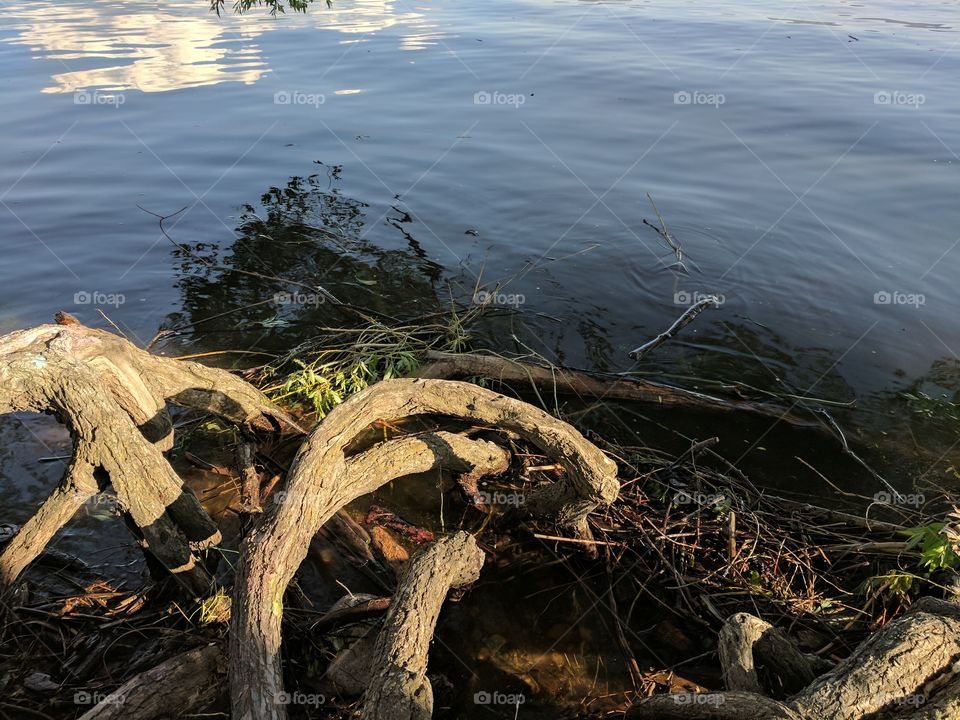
(936, 545)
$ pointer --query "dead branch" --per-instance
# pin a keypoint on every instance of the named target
(710, 706)
(688, 316)
(759, 658)
(451, 366)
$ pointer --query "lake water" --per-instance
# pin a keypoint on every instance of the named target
(803, 154)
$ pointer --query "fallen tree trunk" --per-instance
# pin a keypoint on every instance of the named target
(905, 670)
(176, 687)
(324, 478)
(112, 397)
(399, 688)
(450, 366)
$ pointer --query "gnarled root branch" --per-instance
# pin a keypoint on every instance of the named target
(324, 478)
(759, 658)
(112, 397)
(399, 688)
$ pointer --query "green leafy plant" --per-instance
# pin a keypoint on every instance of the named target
(895, 581)
(333, 375)
(322, 373)
(934, 545)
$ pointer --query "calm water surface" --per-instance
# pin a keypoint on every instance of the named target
(804, 154)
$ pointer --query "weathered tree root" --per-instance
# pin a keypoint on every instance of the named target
(324, 478)
(759, 658)
(112, 397)
(399, 688)
(904, 670)
(176, 687)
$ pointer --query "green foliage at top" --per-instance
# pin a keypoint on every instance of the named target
(275, 6)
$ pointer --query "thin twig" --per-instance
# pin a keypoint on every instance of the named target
(679, 324)
(849, 451)
(665, 234)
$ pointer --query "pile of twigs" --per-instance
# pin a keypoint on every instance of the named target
(715, 544)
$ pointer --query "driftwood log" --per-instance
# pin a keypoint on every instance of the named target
(908, 670)
(112, 397)
(450, 366)
(324, 478)
(399, 688)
